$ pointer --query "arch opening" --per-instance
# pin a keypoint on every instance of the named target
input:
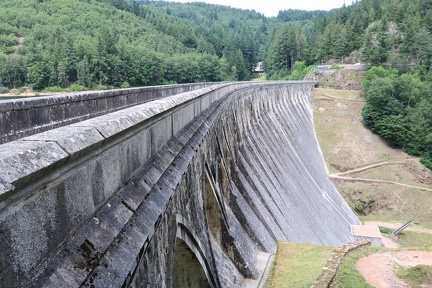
(188, 271)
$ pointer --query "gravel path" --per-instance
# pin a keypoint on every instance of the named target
(378, 269)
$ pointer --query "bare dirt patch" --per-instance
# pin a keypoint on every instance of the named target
(389, 243)
(379, 269)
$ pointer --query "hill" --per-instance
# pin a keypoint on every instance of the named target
(106, 43)
(392, 32)
(121, 43)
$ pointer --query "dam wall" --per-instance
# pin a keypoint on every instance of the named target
(185, 191)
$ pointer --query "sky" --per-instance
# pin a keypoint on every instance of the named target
(271, 7)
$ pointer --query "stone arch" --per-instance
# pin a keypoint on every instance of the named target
(188, 271)
(191, 267)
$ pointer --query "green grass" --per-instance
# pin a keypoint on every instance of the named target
(392, 203)
(344, 141)
(416, 276)
(297, 265)
(347, 275)
(385, 230)
(417, 240)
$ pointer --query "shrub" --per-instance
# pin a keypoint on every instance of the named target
(420, 274)
(125, 85)
(75, 88)
(336, 67)
(385, 230)
(53, 89)
(3, 90)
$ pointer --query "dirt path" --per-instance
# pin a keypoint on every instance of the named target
(364, 168)
(324, 96)
(378, 181)
(378, 269)
(367, 167)
(389, 243)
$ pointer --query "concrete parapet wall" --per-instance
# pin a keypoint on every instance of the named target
(227, 169)
(23, 117)
(52, 181)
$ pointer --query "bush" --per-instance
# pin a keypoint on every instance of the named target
(3, 90)
(385, 230)
(359, 208)
(125, 85)
(418, 275)
(299, 71)
(53, 89)
(75, 88)
(336, 67)
(427, 161)
(102, 87)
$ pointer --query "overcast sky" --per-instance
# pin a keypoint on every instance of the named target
(271, 7)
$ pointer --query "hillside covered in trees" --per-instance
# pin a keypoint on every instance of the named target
(57, 43)
(392, 32)
(395, 34)
(98, 44)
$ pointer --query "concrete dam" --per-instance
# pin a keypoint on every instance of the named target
(169, 186)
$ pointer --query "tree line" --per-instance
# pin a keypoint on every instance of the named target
(119, 43)
(399, 108)
(58, 43)
(395, 33)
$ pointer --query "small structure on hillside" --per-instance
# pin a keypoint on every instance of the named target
(259, 67)
(370, 233)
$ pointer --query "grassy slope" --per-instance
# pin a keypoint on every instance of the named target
(347, 144)
(297, 265)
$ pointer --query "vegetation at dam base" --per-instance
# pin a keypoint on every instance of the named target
(297, 265)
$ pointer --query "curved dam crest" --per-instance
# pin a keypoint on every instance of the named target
(185, 191)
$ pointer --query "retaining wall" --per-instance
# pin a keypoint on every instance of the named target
(329, 271)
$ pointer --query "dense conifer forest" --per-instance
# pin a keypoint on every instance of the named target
(53, 45)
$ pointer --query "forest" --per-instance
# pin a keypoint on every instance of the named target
(70, 45)
(119, 43)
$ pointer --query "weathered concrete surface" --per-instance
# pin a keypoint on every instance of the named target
(20, 118)
(243, 171)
